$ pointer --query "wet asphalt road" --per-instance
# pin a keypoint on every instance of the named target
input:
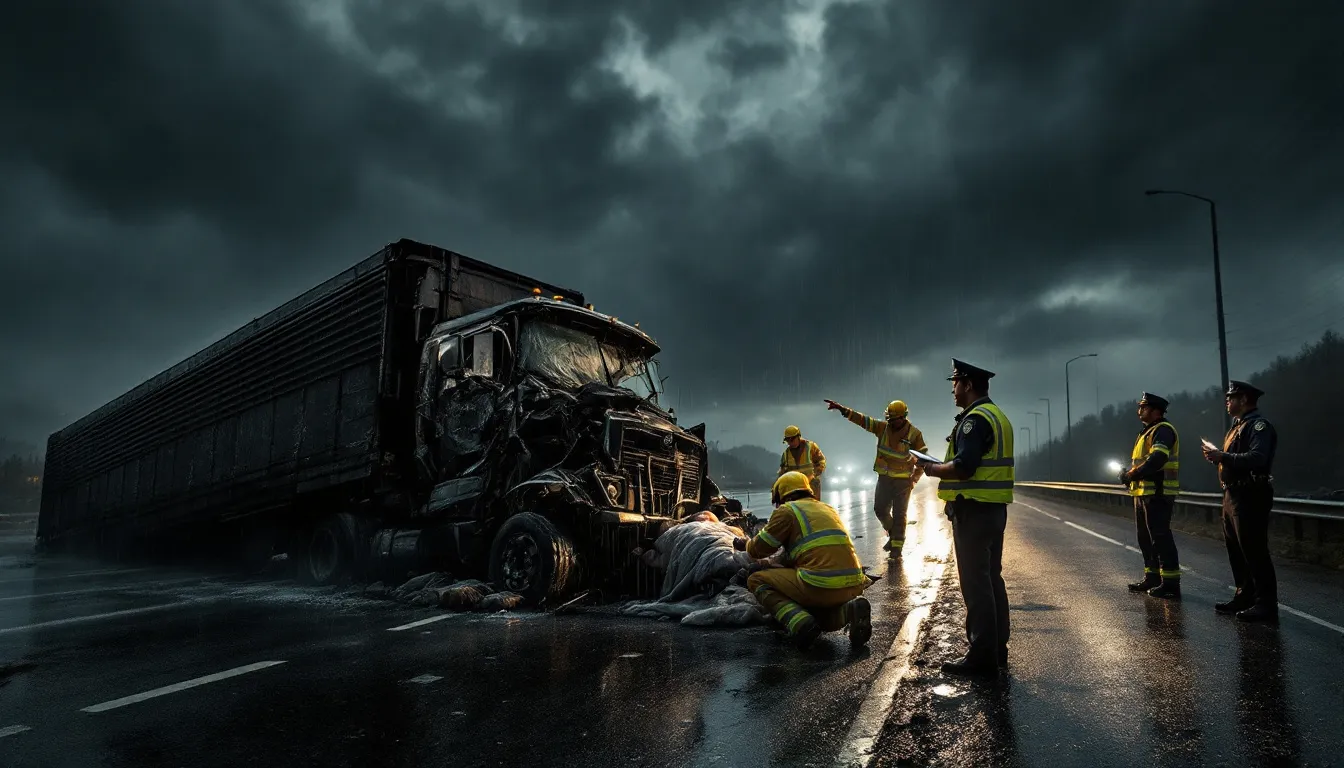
(330, 678)
(1104, 677)
(352, 688)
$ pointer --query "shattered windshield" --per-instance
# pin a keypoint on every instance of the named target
(572, 358)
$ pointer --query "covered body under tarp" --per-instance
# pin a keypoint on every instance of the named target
(705, 576)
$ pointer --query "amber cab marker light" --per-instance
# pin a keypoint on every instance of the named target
(536, 291)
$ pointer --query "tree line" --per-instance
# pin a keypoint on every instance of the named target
(1311, 430)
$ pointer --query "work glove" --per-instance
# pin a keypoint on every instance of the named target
(740, 544)
(1124, 477)
(831, 405)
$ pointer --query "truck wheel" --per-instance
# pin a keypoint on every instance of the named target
(532, 557)
(326, 554)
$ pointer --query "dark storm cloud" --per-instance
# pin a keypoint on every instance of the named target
(742, 58)
(172, 168)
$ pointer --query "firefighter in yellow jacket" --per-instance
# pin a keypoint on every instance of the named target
(823, 590)
(896, 471)
(802, 456)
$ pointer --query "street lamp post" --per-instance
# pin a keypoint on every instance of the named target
(1036, 428)
(1217, 286)
(1028, 431)
(1068, 406)
(1049, 446)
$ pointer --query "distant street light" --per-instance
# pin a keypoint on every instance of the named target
(1217, 286)
(1114, 466)
(1035, 430)
(1049, 446)
(1068, 407)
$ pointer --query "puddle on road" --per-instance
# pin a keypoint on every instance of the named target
(947, 691)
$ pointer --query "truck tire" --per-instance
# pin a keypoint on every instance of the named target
(534, 558)
(327, 554)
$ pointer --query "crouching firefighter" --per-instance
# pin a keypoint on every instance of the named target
(823, 591)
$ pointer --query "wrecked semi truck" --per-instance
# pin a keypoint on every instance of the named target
(419, 411)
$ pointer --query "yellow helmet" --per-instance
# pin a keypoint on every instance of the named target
(789, 482)
(792, 431)
(896, 409)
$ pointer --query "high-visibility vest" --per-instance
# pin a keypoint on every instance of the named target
(1143, 446)
(993, 479)
(786, 461)
(823, 553)
(893, 456)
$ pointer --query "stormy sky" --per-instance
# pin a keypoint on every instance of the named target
(798, 199)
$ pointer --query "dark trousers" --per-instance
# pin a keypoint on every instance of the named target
(1152, 518)
(1246, 531)
(977, 539)
(890, 501)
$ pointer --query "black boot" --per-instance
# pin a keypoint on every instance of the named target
(1262, 612)
(1239, 602)
(1169, 588)
(1150, 580)
(962, 668)
(858, 615)
(806, 633)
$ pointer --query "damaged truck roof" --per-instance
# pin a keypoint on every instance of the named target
(537, 304)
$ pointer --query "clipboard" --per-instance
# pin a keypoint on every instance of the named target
(924, 457)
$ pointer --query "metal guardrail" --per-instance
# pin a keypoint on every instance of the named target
(1313, 508)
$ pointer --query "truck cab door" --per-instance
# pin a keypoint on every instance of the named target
(469, 398)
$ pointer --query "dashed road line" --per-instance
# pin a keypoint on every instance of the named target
(13, 730)
(1091, 532)
(74, 575)
(424, 679)
(422, 622)
(1184, 570)
(136, 586)
(98, 616)
(182, 686)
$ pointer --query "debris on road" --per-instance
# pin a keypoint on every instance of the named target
(441, 590)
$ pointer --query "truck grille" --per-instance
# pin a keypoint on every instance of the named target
(665, 468)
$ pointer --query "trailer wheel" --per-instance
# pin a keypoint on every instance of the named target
(532, 557)
(327, 553)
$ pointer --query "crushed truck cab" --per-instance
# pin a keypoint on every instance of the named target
(547, 455)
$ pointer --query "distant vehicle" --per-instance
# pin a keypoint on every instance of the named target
(421, 410)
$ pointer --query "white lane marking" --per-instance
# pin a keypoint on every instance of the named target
(1312, 619)
(182, 686)
(1094, 533)
(139, 585)
(74, 575)
(1197, 575)
(97, 616)
(876, 707)
(13, 730)
(424, 679)
(422, 622)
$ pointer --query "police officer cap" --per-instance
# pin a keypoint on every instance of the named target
(962, 370)
(1242, 388)
(1149, 398)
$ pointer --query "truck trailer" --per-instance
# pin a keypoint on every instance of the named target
(419, 411)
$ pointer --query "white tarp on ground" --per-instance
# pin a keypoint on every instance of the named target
(700, 562)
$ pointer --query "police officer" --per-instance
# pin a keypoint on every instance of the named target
(976, 481)
(1244, 466)
(1154, 482)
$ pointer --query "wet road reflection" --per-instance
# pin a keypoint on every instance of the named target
(1268, 728)
(1169, 685)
